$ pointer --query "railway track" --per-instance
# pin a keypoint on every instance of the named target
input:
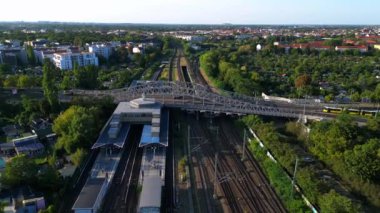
(239, 184)
(259, 178)
(180, 73)
(120, 188)
(173, 63)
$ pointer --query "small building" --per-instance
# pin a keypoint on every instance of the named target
(13, 56)
(29, 145)
(10, 131)
(362, 49)
(38, 43)
(7, 149)
(13, 43)
(7, 201)
(26, 199)
(43, 129)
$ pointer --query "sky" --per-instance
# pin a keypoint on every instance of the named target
(195, 11)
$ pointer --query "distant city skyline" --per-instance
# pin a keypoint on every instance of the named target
(321, 12)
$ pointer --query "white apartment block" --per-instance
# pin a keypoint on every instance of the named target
(193, 38)
(66, 61)
(101, 49)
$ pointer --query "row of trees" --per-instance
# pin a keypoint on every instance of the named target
(277, 178)
(351, 152)
(21, 170)
(282, 74)
(310, 181)
(20, 81)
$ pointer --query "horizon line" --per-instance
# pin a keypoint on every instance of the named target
(205, 24)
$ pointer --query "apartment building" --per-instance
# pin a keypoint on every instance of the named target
(66, 61)
(103, 50)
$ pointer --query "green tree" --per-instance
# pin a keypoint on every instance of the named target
(5, 69)
(86, 77)
(49, 83)
(78, 156)
(30, 110)
(30, 55)
(50, 209)
(334, 42)
(20, 170)
(24, 81)
(11, 81)
(355, 97)
(363, 160)
(49, 179)
(332, 202)
(252, 120)
(2, 207)
(328, 139)
(377, 93)
(76, 127)
(373, 124)
(67, 82)
(78, 41)
(209, 63)
(310, 183)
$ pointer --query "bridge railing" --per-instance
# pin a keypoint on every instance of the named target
(194, 96)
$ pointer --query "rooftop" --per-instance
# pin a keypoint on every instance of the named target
(151, 192)
(141, 105)
(104, 167)
(105, 139)
(89, 193)
(149, 134)
(153, 175)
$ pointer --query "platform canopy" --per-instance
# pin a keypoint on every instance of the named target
(105, 139)
(147, 138)
(154, 134)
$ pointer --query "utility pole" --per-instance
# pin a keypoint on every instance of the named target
(217, 133)
(294, 175)
(244, 142)
(188, 142)
(215, 174)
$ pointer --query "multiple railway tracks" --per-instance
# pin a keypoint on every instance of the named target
(120, 197)
(221, 180)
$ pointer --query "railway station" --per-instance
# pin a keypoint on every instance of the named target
(112, 143)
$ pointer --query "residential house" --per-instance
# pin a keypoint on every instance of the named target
(26, 199)
(29, 145)
(43, 129)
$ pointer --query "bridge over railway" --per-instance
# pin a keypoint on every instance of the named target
(196, 97)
